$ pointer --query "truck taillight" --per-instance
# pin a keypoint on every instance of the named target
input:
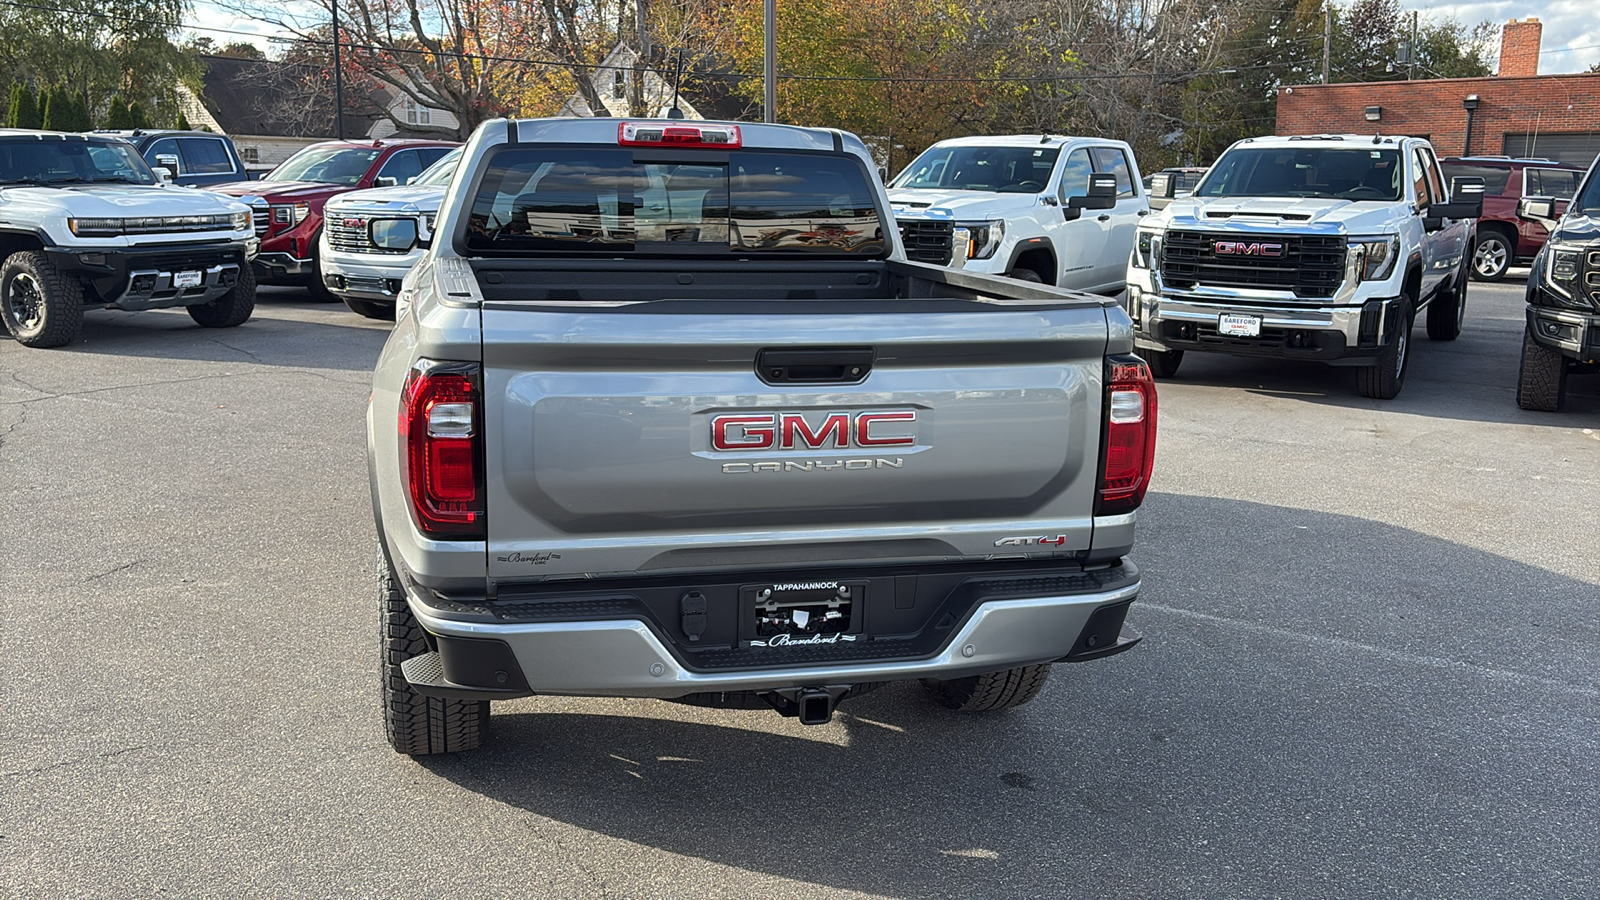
(1130, 435)
(657, 134)
(442, 445)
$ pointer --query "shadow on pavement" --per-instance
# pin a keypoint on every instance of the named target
(294, 332)
(1313, 713)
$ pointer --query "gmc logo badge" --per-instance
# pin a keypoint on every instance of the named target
(791, 431)
(353, 223)
(1242, 248)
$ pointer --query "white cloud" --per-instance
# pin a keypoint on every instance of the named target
(1571, 34)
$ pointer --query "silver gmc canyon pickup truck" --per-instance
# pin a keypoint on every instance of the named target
(666, 413)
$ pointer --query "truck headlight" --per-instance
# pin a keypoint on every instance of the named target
(1377, 257)
(241, 221)
(290, 213)
(985, 236)
(1562, 265)
(1145, 249)
(95, 227)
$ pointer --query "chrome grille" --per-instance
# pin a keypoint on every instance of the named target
(1591, 277)
(260, 213)
(349, 233)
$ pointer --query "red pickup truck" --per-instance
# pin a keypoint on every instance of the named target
(287, 203)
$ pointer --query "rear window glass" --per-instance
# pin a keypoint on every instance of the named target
(1558, 183)
(1494, 177)
(562, 200)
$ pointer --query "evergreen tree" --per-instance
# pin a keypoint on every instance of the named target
(24, 112)
(50, 110)
(137, 116)
(183, 123)
(80, 113)
(118, 119)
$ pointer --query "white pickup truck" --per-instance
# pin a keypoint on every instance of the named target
(1026, 206)
(1320, 248)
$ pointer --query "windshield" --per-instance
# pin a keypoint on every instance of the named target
(54, 161)
(1330, 173)
(440, 173)
(1588, 199)
(558, 200)
(993, 169)
(330, 165)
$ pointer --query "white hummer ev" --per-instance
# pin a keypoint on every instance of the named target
(1042, 208)
(1319, 248)
(86, 224)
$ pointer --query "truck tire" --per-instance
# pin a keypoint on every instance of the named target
(41, 307)
(231, 309)
(991, 690)
(1163, 363)
(1542, 377)
(1022, 274)
(372, 309)
(417, 725)
(1491, 256)
(1449, 309)
(1384, 379)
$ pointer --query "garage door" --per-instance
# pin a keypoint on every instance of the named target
(1578, 149)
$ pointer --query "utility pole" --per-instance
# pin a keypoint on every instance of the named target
(1327, 39)
(770, 65)
(1411, 51)
(338, 79)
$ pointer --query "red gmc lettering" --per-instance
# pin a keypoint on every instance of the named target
(791, 431)
(794, 425)
(865, 421)
(754, 432)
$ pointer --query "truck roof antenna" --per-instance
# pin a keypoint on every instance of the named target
(677, 80)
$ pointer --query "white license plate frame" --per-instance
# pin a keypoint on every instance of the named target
(1236, 325)
(188, 279)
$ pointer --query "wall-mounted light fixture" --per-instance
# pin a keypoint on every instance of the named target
(1469, 104)
(1374, 113)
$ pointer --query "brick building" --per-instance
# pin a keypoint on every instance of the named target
(1517, 113)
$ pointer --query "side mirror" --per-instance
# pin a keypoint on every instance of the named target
(1163, 186)
(1102, 193)
(169, 161)
(163, 174)
(1539, 209)
(1466, 199)
(393, 234)
(385, 181)
(883, 174)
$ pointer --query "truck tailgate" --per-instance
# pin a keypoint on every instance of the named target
(644, 439)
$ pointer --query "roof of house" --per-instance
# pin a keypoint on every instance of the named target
(262, 97)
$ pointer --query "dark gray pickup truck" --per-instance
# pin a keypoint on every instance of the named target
(666, 413)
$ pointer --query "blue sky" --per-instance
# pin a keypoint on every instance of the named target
(1571, 27)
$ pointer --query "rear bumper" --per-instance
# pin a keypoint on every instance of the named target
(628, 658)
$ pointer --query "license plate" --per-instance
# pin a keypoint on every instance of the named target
(186, 279)
(1239, 326)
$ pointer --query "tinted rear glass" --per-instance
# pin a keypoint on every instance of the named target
(1494, 177)
(563, 200)
(1558, 183)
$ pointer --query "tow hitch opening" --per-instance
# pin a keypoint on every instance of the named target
(811, 705)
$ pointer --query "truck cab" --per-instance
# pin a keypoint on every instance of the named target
(1025, 207)
(1321, 248)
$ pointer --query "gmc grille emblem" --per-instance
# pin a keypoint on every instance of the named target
(792, 431)
(1242, 248)
(353, 223)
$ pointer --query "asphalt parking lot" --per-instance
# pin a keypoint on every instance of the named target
(1370, 666)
